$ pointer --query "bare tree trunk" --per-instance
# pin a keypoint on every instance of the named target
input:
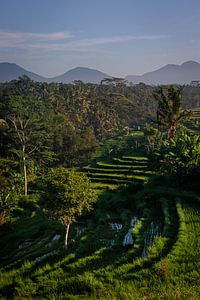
(172, 131)
(25, 172)
(66, 234)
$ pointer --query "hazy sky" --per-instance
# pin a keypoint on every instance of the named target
(119, 37)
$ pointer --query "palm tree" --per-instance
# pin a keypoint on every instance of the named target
(169, 113)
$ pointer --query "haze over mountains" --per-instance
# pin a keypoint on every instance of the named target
(9, 71)
(80, 73)
(171, 73)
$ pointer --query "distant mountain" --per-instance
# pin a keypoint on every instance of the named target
(80, 73)
(180, 74)
(10, 71)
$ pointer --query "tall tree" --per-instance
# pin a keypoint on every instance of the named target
(26, 119)
(66, 196)
(169, 113)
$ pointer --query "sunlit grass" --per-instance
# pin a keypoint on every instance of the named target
(95, 268)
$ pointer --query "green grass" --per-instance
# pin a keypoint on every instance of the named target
(119, 171)
(135, 158)
(96, 265)
(101, 186)
(116, 176)
(184, 258)
(118, 166)
(94, 271)
(122, 170)
(110, 170)
(109, 181)
(129, 162)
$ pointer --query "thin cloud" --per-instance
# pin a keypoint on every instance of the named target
(80, 45)
(59, 41)
(113, 40)
(9, 39)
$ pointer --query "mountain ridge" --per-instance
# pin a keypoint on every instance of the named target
(11, 71)
(84, 74)
(167, 74)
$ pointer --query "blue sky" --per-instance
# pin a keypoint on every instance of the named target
(119, 37)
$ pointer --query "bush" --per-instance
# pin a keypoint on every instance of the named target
(179, 158)
(162, 269)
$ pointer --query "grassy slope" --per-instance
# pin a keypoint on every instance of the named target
(92, 268)
(122, 169)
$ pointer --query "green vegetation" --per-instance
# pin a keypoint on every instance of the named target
(179, 158)
(131, 199)
(169, 112)
(66, 195)
(162, 262)
(119, 170)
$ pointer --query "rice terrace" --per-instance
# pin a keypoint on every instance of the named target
(141, 240)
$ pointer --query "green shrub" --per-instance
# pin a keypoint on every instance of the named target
(179, 158)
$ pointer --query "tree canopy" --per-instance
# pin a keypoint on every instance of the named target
(67, 195)
(169, 113)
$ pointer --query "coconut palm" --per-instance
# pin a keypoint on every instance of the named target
(169, 113)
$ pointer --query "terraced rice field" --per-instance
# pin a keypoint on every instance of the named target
(196, 114)
(185, 255)
(162, 263)
(194, 125)
(119, 171)
(137, 244)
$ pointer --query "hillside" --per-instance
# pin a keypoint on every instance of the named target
(9, 71)
(80, 73)
(139, 238)
(160, 263)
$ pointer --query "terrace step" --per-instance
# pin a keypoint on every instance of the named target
(102, 186)
(135, 158)
(120, 172)
(118, 166)
(116, 181)
(116, 176)
(108, 181)
(129, 162)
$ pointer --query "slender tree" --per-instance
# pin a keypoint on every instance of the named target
(67, 195)
(25, 118)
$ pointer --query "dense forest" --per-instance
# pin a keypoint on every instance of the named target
(63, 123)
(67, 121)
